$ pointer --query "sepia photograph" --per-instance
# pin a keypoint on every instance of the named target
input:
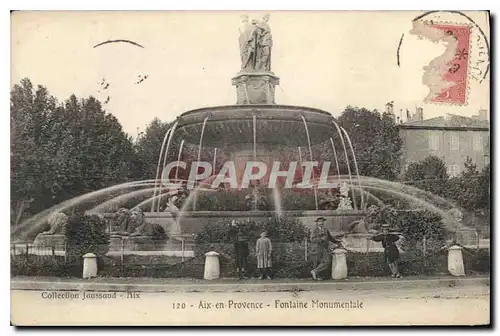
(250, 168)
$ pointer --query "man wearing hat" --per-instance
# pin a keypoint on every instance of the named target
(241, 250)
(321, 238)
(388, 238)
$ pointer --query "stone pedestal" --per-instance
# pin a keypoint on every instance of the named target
(89, 266)
(212, 267)
(54, 240)
(136, 243)
(455, 261)
(339, 264)
(115, 243)
(255, 87)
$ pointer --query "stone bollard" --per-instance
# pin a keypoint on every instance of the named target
(455, 261)
(339, 264)
(212, 267)
(89, 266)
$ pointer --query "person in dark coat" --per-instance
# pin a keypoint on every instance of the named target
(320, 239)
(241, 250)
(391, 251)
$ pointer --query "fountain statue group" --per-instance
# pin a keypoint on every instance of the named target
(255, 45)
(337, 200)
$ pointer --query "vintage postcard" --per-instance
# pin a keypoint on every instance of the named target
(250, 168)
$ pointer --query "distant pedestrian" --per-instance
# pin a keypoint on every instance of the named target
(263, 250)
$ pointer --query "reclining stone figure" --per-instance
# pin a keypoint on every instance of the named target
(133, 223)
(58, 223)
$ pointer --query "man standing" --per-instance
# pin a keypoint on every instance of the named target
(391, 251)
(321, 238)
(241, 250)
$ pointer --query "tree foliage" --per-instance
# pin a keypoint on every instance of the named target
(59, 151)
(471, 189)
(429, 174)
(147, 149)
(376, 142)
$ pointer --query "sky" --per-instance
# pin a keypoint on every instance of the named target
(326, 60)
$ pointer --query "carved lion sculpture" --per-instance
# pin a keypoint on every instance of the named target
(133, 223)
(58, 223)
(144, 228)
(120, 223)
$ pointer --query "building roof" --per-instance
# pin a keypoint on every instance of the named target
(449, 121)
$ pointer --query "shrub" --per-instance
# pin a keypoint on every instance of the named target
(279, 229)
(86, 233)
(477, 261)
(415, 225)
(287, 236)
(224, 200)
(298, 200)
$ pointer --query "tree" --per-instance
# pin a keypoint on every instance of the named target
(471, 191)
(33, 112)
(429, 174)
(59, 151)
(376, 142)
(417, 225)
(464, 189)
(147, 149)
(484, 187)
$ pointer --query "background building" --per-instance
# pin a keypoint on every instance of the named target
(451, 138)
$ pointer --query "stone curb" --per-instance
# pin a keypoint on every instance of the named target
(207, 286)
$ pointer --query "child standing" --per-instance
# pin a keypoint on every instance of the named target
(263, 250)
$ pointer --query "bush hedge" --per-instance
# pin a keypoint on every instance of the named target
(290, 264)
(86, 233)
(289, 251)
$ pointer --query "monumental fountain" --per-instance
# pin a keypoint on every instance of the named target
(254, 130)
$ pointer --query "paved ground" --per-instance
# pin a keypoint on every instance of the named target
(464, 305)
(235, 285)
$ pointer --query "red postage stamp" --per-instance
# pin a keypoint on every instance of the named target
(446, 76)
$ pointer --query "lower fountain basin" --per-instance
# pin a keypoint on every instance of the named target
(192, 222)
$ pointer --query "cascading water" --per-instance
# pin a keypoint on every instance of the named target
(199, 150)
(336, 158)
(315, 190)
(277, 202)
(179, 159)
(158, 167)
(346, 158)
(355, 162)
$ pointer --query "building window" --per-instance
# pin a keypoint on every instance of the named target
(433, 141)
(453, 170)
(454, 142)
(486, 160)
(478, 143)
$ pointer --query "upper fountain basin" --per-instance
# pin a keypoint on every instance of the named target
(274, 124)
